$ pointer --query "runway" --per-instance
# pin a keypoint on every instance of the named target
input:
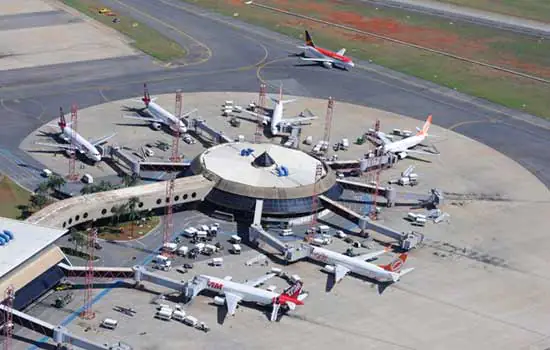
(226, 55)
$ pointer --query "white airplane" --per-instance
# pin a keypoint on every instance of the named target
(326, 57)
(75, 141)
(160, 116)
(276, 121)
(341, 265)
(235, 292)
(402, 148)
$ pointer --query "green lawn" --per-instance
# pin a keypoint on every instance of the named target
(532, 9)
(519, 52)
(12, 197)
(145, 38)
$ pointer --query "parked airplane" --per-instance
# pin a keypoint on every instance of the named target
(326, 57)
(341, 265)
(402, 148)
(160, 116)
(236, 292)
(276, 121)
(75, 141)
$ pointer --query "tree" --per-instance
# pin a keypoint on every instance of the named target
(133, 214)
(43, 188)
(119, 210)
(55, 182)
(87, 189)
(79, 239)
(38, 200)
(130, 180)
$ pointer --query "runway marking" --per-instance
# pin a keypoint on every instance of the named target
(468, 122)
(177, 30)
(103, 95)
(3, 105)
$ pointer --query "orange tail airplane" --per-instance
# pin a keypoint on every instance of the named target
(325, 57)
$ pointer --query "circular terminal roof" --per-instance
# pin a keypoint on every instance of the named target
(263, 170)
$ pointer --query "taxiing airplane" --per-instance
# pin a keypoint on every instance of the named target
(325, 57)
(160, 116)
(341, 265)
(75, 141)
(276, 121)
(403, 148)
(235, 292)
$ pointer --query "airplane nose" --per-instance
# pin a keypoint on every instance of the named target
(351, 64)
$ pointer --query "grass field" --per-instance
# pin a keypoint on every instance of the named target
(532, 9)
(505, 49)
(123, 230)
(145, 38)
(11, 197)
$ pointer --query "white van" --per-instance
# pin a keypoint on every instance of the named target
(286, 232)
(201, 235)
(160, 259)
(190, 232)
(235, 239)
(165, 314)
(178, 315)
(205, 228)
(323, 229)
(46, 172)
(236, 249)
(170, 247)
(109, 323)
(200, 246)
(190, 321)
(217, 262)
(295, 278)
(183, 250)
(87, 179)
(345, 144)
(212, 247)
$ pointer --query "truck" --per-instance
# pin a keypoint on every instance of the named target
(190, 321)
(164, 314)
(323, 229)
(201, 235)
(183, 250)
(344, 144)
(178, 315)
(235, 239)
(169, 247)
(46, 172)
(217, 262)
(109, 323)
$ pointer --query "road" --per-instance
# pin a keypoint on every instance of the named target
(456, 12)
(231, 56)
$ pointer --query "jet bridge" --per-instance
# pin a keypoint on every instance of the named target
(217, 136)
(388, 192)
(59, 334)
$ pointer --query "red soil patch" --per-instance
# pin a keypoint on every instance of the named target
(423, 36)
(236, 2)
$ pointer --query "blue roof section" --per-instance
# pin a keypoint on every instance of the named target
(28, 240)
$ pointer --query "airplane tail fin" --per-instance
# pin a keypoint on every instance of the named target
(146, 97)
(62, 122)
(309, 41)
(280, 99)
(396, 264)
(426, 126)
(294, 290)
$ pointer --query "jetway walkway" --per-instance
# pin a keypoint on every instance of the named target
(200, 125)
(98, 272)
(388, 192)
(59, 334)
(136, 165)
(406, 240)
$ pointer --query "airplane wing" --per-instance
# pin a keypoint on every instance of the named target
(57, 145)
(372, 255)
(342, 52)
(421, 152)
(145, 119)
(340, 272)
(383, 138)
(185, 115)
(260, 280)
(317, 59)
(265, 118)
(297, 119)
(232, 300)
(101, 140)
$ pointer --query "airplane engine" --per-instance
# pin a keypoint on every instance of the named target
(265, 123)
(329, 268)
(69, 152)
(402, 155)
(327, 65)
(156, 126)
(219, 301)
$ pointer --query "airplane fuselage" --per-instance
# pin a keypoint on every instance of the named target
(339, 60)
(356, 266)
(166, 117)
(248, 293)
(81, 144)
(405, 144)
(276, 119)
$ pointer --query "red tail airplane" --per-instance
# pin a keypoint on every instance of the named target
(326, 57)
